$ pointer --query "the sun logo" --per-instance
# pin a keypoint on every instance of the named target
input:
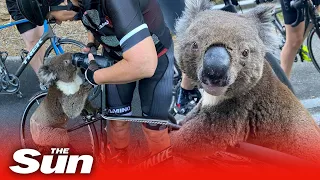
(66, 164)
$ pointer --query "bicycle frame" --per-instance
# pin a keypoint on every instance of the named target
(310, 15)
(47, 34)
(307, 10)
(277, 22)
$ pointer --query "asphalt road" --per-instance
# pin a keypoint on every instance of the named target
(305, 80)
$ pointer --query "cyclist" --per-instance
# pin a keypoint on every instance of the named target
(133, 33)
(294, 36)
(172, 9)
(30, 33)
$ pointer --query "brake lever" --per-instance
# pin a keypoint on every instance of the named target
(298, 5)
(299, 14)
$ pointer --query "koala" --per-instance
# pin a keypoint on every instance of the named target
(243, 101)
(66, 99)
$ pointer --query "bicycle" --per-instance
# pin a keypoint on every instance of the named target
(306, 8)
(97, 144)
(9, 82)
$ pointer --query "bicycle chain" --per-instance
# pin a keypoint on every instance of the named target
(158, 122)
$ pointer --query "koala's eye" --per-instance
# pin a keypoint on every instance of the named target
(194, 46)
(67, 62)
(245, 53)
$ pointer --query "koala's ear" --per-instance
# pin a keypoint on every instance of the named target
(46, 75)
(261, 13)
(192, 8)
(262, 18)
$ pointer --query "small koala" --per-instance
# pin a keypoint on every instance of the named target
(243, 101)
(66, 99)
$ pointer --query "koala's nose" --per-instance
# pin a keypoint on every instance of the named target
(216, 64)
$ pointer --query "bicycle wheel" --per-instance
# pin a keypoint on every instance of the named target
(176, 86)
(68, 45)
(313, 42)
(275, 65)
(83, 140)
(250, 157)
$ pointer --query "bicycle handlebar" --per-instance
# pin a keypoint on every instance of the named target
(298, 5)
(263, 1)
(270, 156)
(81, 60)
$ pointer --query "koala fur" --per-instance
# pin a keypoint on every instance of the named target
(251, 105)
(66, 98)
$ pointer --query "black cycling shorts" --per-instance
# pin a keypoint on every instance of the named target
(16, 15)
(155, 92)
(289, 14)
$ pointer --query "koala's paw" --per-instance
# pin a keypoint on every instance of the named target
(89, 109)
(181, 123)
(86, 87)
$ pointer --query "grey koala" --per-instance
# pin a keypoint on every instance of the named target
(66, 99)
(242, 101)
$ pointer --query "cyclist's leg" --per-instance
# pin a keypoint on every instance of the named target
(171, 11)
(31, 37)
(119, 98)
(30, 34)
(294, 36)
(186, 88)
(155, 94)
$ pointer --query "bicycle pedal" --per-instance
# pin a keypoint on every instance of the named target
(19, 94)
(23, 54)
(3, 56)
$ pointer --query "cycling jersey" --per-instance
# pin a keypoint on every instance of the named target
(121, 24)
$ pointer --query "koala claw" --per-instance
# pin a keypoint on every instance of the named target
(86, 87)
(87, 84)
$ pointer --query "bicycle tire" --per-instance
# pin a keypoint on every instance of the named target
(249, 156)
(310, 49)
(278, 70)
(176, 86)
(23, 133)
(64, 41)
(175, 92)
